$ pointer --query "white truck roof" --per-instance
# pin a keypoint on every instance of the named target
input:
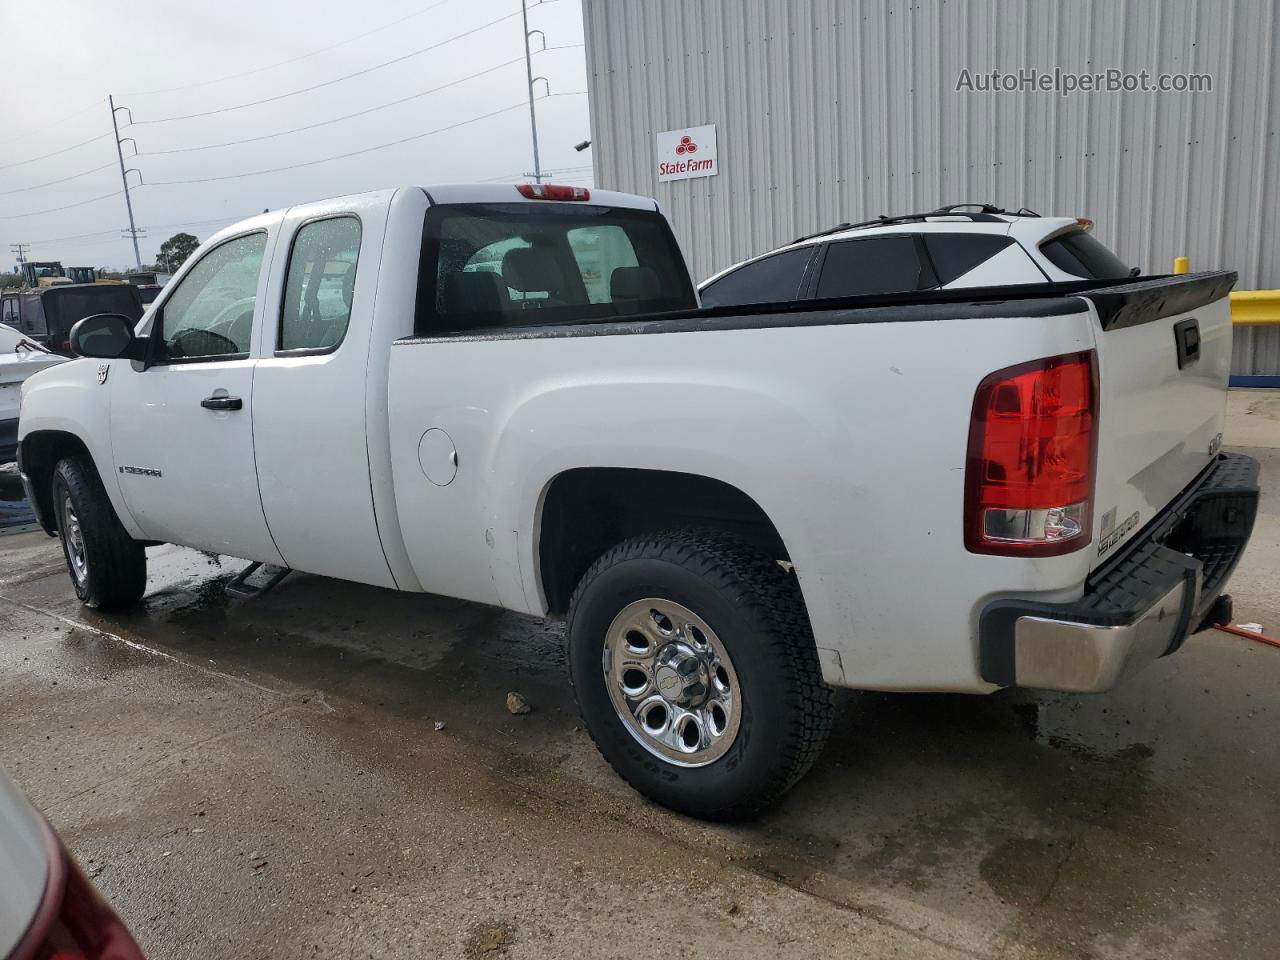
(507, 193)
(440, 193)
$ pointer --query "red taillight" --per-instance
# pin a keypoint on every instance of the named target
(552, 191)
(1084, 222)
(74, 922)
(1032, 445)
(86, 927)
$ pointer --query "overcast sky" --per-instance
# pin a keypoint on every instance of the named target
(168, 62)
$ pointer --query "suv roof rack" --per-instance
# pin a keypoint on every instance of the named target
(986, 213)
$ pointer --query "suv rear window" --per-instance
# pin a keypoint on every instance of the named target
(519, 264)
(1079, 254)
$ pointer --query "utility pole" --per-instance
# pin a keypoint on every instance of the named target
(124, 175)
(528, 67)
(21, 250)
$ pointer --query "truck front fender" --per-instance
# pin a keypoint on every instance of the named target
(63, 406)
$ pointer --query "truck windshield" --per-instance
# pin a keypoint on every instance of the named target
(499, 265)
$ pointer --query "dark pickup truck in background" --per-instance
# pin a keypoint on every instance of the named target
(47, 315)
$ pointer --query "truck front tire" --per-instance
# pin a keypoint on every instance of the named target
(695, 669)
(108, 567)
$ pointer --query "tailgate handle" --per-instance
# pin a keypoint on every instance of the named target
(1187, 334)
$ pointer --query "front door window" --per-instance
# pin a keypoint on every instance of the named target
(210, 314)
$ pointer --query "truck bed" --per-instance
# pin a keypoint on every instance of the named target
(1118, 303)
(854, 444)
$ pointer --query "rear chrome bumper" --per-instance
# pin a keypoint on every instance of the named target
(1142, 604)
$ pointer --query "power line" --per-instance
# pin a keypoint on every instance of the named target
(328, 83)
(36, 213)
(519, 175)
(340, 156)
(52, 123)
(76, 241)
(74, 236)
(356, 153)
(322, 123)
(50, 183)
(197, 223)
(113, 233)
(284, 63)
(46, 156)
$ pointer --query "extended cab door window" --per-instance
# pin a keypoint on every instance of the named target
(774, 279)
(320, 285)
(10, 314)
(210, 313)
(876, 265)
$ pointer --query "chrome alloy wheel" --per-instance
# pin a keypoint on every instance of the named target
(75, 541)
(672, 682)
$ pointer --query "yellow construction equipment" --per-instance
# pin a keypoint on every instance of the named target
(39, 275)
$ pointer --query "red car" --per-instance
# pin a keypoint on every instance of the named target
(48, 908)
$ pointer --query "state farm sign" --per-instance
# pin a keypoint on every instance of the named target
(686, 153)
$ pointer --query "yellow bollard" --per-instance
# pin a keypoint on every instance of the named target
(1181, 265)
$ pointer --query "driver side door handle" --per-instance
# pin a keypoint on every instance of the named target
(222, 403)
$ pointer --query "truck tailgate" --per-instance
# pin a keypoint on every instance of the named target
(1164, 357)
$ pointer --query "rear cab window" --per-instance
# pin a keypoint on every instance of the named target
(521, 264)
(1082, 255)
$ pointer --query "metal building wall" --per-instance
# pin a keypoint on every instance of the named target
(830, 110)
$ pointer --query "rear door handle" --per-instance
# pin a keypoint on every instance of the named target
(222, 403)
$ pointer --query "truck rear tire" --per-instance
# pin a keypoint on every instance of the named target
(108, 567)
(695, 670)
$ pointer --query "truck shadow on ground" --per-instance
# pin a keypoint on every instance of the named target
(1046, 816)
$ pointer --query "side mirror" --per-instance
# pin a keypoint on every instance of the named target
(107, 336)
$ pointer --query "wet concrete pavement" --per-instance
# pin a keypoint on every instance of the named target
(264, 777)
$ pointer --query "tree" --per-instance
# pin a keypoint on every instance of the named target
(175, 250)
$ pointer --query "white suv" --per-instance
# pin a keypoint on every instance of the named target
(946, 248)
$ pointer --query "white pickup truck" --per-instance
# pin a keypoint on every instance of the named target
(509, 394)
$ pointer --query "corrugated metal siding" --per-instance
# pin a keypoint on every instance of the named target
(830, 110)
